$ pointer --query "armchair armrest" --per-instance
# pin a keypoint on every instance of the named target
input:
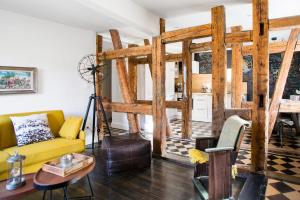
(205, 142)
(211, 150)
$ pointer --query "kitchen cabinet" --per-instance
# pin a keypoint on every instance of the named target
(202, 107)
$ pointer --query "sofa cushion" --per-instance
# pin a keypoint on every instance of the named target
(31, 129)
(70, 129)
(7, 133)
(46, 150)
(3, 163)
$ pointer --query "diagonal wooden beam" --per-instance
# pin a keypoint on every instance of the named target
(281, 81)
(121, 68)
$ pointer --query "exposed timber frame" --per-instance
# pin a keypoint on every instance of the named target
(156, 57)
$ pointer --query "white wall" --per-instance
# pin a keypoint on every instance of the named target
(53, 48)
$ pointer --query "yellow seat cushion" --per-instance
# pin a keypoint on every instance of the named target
(46, 150)
(70, 128)
(198, 156)
(3, 163)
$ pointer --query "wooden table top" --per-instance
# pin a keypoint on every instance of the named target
(47, 181)
(289, 106)
(14, 194)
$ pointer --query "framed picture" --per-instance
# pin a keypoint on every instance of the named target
(18, 80)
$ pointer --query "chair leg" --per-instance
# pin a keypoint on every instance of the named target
(281, 135)
(200, 187)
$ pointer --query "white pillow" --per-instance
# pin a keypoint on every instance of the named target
(31, 129)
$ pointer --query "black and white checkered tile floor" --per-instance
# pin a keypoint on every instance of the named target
(282, 190)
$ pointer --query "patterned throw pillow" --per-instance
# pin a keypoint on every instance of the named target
(31, 129)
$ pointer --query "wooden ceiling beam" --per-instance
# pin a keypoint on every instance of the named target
(199, 47)
(274, 47)
(126, 52)
(238, 37)
(284, 23)
(186, 33)
(176, 57)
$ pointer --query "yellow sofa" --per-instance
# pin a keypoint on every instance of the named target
(37, 153)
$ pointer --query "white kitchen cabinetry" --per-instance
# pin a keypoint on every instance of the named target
(202, 107)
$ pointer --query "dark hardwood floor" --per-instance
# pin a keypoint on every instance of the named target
(164, 180)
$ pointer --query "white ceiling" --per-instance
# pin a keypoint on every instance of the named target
(172, 8)
(138, 19)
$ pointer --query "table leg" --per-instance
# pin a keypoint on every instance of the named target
(296, 122)
(65, 193)
(51, 195)
(44, 194)
(91, 189)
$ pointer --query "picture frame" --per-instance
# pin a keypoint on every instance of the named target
(18, 80)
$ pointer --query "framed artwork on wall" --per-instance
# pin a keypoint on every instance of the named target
(18, 80)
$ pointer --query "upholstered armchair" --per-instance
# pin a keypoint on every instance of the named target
(213, 177)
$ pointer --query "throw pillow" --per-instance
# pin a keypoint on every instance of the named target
(71, 128)
(31, 129)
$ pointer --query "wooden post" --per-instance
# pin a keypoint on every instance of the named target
(187, 96)
(121, 68)
(162, 25)
(132, 80)
(132, 74)
(149, 57)
(218, 69)
(259, 142)
(281, 81)
(100, 125)
(159, 101)
(236, 72)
